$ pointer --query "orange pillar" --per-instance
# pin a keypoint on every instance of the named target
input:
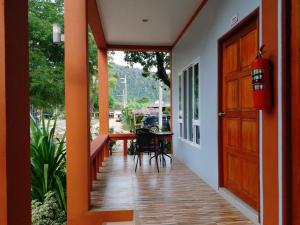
(270, 118)
(103, 92)
(77, 111)
(15, 179)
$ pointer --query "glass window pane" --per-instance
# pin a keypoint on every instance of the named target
(180, 129)
(180, 98)
(198, 135)
(190, 109)
(185, 97)
(196, 91)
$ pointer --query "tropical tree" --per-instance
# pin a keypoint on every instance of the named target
(148, 60)
(46, 59)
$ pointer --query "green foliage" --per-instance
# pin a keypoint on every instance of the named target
(127, 116)
(149, 60)
(48, 162)
(112, 143)
(132, 148)
(47, 212)
(127, 119)
(94, 87)
(46, 59)
(112, 84)
(143, 101)
(139, 87)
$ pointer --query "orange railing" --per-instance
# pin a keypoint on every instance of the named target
(99, 150)
(125, 137)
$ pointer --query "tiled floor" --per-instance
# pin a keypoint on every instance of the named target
(175, 196)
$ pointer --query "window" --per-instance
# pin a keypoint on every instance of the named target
(185, 104)
(190, 101)
(189, 119)
(180, 111)
(196, 120)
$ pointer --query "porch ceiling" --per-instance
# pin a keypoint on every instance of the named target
(122, 20)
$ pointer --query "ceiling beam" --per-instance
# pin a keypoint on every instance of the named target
(96, 24)
(202, 4)
(139, 48)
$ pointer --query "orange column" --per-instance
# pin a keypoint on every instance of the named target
(103, 91)
(103, 94)
(77, 110)
(270, 118)
(15, 179)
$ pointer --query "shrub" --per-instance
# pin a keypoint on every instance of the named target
(48, 212)
(48, 162)
(112, 143)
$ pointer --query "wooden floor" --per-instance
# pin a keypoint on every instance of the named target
(175, 196)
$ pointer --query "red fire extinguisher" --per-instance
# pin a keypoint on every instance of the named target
(261, 81)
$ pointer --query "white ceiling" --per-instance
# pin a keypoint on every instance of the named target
(122, 20)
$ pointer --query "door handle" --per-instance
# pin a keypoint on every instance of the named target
(221, 114)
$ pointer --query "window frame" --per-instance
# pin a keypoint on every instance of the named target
(185, 91)
(180, 104)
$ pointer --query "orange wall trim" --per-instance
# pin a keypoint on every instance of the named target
(270, 118)
(96, 24)
(15, 182)
(191, 20)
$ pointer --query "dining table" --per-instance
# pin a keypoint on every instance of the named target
(162, 136)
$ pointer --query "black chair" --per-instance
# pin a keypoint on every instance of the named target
(142, 130)
(146, 142)
(139, 131)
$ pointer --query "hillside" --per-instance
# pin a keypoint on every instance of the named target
(138, 86)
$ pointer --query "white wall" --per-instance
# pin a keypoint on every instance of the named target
(201, 40)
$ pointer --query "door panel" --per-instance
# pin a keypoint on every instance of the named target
(232, 126)
(232, 95)
(240, 123)
(231, 52)
(250, 172)
(249, 136)
(248, 47)
(246, 93)
(233, 170)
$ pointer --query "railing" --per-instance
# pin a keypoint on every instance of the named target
(125, 137)
(99, 150)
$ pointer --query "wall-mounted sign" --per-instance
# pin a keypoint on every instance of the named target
(234, 19)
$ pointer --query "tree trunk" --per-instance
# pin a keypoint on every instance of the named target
(161, 71)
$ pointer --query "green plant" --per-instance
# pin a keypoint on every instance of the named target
(112, 143)
(127, 118)
(47, 212)
(132, 148)
(48, 162)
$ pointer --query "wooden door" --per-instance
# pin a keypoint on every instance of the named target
(239, 123)
(295, 112)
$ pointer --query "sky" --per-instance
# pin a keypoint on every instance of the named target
(118, 58)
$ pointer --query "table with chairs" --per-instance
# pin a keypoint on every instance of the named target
(151, 143)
